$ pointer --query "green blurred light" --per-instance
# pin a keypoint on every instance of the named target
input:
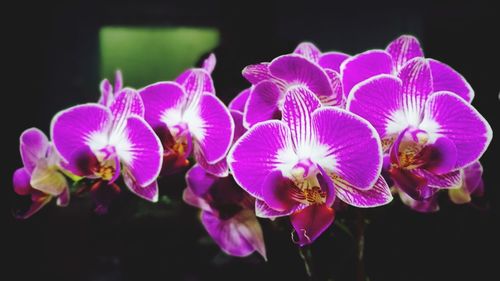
(150, 54)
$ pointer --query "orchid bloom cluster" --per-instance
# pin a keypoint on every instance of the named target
(312, 129)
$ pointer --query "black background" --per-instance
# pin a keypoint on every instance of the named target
(52, 62)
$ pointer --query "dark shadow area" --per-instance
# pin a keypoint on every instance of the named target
(53, 62)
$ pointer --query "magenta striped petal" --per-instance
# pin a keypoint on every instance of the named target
(239, 102)
(297, 109)
(449, 180)
(448, 115)
(219, 168)
(332, 60)
(209, 63)
(423, 206)
(262, 104)
(358, 68)
(148, 192)
(256, 73)
(417, 86)
(118, 81)
(159, 99)
(348, 147)
(308, 50)
(143, 158)
(263, 210)
(403, 49)
(106, 97)
(294, 69)
(213, 131)
(337, 97)
(239, 236)
(196, 81)
(126, 103)
(377, 100)
(33, 145)
(378, 195)
(258, 152)
(446, 78)
(79, 128)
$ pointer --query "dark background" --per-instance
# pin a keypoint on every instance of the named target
(52, 62)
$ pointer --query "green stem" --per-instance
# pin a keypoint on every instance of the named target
(360, 246)
(306, 256)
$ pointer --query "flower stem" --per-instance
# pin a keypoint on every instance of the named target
(306, 256)
(360, 245)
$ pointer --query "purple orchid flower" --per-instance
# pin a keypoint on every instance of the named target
(102, 143)
(429, 135)
(298, 165)
(471, 186)
(328, 60)
(108, 91)
(41, 177)
(227, 212)
(272, 80)
(188, 117)
(393, 59)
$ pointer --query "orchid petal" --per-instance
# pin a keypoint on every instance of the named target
(441, 156)
(239, 102)
(446, 78)
(218, 169)
(80, 127)
(256, 73)
(337, 97)
(308, 50)
(297, 109)
(106, 97)
(358, 68)
(118, 81)
(348, 147)
(379, 100)
(403, 49)
(332, 60)
(38, 202)
(473, 177)
(161, 101)
(126, 103)
(263, 210)
(262, 104)
(429, 205)
(21, 181)
(378, 195)
(310, 222)
(212, 128)
(194, 200)
(33, 146)
(197, 82)
(278, 192)
(413, 183)
(297, 70)
(209, 63)
(261, 150)
(417, 86)
(199, 181)
(238, 236)
(149, 192)
(140, 150)
(448, 115)
(239, 129)
(47, 179)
